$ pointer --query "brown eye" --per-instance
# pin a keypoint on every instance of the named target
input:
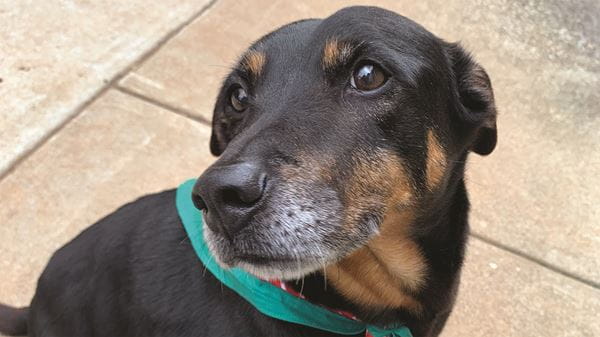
(367, 77)
(239, 99)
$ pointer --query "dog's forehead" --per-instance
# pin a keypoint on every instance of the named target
(309, 46)
(290, 43)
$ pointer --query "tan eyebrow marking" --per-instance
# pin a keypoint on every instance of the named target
(335, 52)
(254, 61)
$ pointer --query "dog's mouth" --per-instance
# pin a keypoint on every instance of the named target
(277, 245)
(264, 259)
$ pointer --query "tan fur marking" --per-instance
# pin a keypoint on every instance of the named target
(395, 250)
(254, 62)
(312, 168)
(436, 161)
(335, 52)
(379, 274)
(365, 281)
(371, 183)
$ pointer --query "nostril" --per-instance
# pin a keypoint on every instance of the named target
(245, 194)
(240, 197)
(199, 202)
(233, 197)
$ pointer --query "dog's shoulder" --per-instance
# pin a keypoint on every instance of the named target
(138, 264)
(108, 263)
(114, 234)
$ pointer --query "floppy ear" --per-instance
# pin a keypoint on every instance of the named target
(477, 111)
(222, 124)
(220, 135)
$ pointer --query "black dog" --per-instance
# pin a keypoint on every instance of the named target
(343, 144)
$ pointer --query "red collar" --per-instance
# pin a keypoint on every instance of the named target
(283, 285)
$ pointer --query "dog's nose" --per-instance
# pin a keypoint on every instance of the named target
(228, 194)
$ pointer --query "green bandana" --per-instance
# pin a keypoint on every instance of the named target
(264, 296)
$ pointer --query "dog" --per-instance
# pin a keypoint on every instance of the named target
(342, 145)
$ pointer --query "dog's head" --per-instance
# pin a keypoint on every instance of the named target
(326, 128)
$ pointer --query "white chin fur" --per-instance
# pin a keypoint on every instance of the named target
(291, 272)
(274, 273)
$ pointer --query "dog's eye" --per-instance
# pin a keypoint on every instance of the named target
(367, 77)
(239, 99)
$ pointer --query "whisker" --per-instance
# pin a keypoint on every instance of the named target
(221, 66)
(321, 261)
(211, 258)
(324, 275)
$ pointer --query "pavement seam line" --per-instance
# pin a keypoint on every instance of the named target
(166, 106)
(535, 260)
(100, 91)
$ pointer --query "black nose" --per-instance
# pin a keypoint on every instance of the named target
(228, 194)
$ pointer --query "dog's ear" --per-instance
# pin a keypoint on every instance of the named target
(221, 133)
(476, 111)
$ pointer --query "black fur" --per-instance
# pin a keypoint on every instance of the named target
(134, 273)
(13, 321)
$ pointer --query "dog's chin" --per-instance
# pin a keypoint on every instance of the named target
(279, 271)
(270, 268)
(263, 265)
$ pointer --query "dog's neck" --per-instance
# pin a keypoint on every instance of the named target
(385, 272)
(402, 276)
